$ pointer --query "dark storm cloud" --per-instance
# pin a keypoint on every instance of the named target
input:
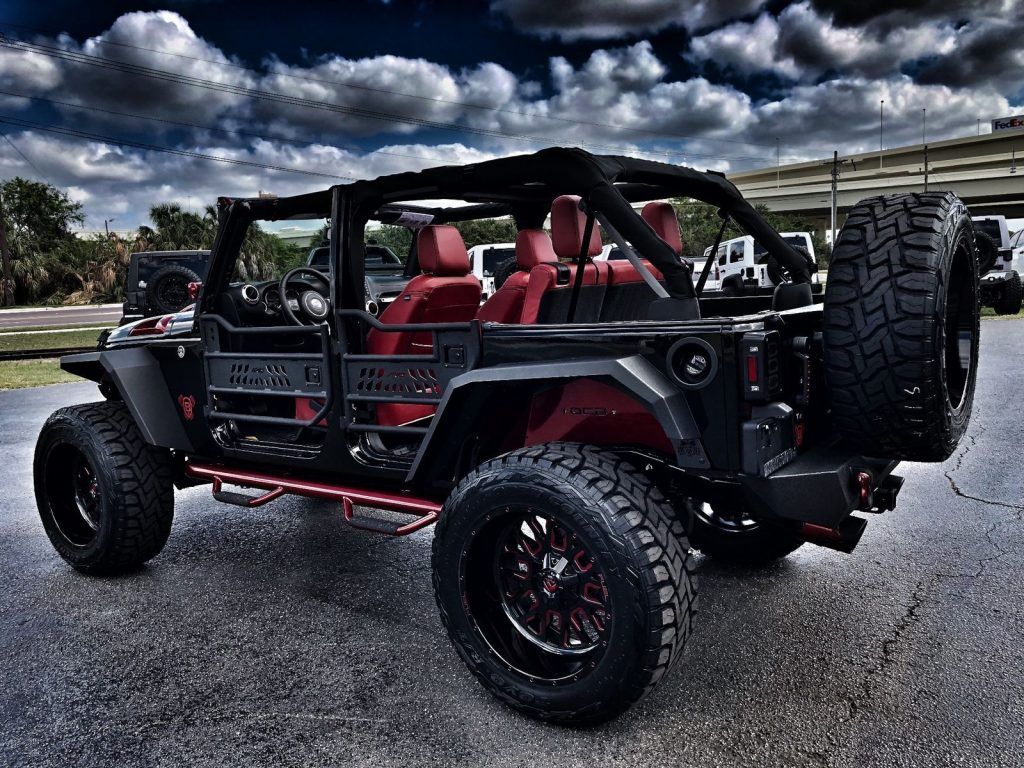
(847, 13)
(991, 53)
(608, 19)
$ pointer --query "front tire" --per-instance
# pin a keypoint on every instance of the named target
(105, 496)
(564, 581)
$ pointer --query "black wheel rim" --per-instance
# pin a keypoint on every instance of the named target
(961, 330)
(731, 520)
(172, 293)
(74, 495)
(537, 595)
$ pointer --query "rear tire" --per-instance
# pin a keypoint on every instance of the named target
(1010, 300)
(733, 538)
(988, 252)
(901, 326)
(602, 538)
(105, 496)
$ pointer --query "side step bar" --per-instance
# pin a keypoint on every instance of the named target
(425, 511)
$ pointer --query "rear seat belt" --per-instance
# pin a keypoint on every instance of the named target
(581, 263)
(630, 254)
(714, 255)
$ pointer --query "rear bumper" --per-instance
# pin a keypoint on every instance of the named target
(821, 487)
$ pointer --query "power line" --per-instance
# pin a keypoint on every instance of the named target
(277, 97)
(157, 148)
(24, 156)
(420, 97)
(203, 127)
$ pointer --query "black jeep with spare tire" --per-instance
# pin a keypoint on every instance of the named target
(157, 282)
(572, 437)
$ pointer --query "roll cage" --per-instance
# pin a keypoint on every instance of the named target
(521, 186)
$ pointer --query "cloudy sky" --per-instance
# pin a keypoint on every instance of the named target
(92, 93)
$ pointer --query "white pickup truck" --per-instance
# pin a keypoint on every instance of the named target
(1001, 262)
(742, 265)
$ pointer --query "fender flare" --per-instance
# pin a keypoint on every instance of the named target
(140, 382)
(634, 375)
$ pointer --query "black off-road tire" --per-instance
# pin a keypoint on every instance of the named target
(1010, 300)
(167, 290)
(134, 494)
(901, 326)
(745, 544)
(778, 274)
(504, 271)
(732, 286)
(636, 539)
(988, 251)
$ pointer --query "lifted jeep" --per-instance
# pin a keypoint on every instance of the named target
(572, 437)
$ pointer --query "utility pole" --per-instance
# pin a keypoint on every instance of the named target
(778, 164)
(979, 126)
(835, 163)
(881, 108)
(924, 125)
(5, 253)
(925, 167)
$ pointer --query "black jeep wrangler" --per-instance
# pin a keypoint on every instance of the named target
(572, 437)
(157, 282)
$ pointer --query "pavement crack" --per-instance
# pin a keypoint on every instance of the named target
(889, 646)
(955, 487)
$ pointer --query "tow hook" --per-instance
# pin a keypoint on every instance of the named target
(880, 499)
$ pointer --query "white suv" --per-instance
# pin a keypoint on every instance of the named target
(1001, 267)
(744, 265)
(485, 259)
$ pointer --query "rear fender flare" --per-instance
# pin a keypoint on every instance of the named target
(468, 395)
(140, 382)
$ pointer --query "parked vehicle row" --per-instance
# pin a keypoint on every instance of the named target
(1001, 263)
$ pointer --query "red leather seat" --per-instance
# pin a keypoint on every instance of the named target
(628, 296)
(662, 219)
(533, 247)
(445, 292)
(540, 291)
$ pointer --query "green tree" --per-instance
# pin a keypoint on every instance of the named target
(485, 231)
(398, 239)
(699, 224)
(37, 219)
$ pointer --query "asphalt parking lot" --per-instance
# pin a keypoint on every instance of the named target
(279, 636)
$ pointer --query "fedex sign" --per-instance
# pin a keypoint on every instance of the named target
(1007, 123)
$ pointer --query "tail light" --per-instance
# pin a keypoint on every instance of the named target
(762, 372)
(152, 326)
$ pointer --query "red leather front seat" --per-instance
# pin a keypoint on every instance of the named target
(445, 292)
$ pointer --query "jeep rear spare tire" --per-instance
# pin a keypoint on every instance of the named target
(167, 291)
(564, 580)
(901, 326)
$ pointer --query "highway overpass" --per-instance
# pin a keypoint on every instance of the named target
(986, 171)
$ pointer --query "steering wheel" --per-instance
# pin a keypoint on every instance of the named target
(313, 301)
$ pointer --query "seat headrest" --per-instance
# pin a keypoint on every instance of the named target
(533, 247)
(662, 219)
(567, 225)
(441, 251)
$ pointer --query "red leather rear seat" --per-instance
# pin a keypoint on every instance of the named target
(542, 295)
(533, 247)
(628, 295)
(445, 292)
